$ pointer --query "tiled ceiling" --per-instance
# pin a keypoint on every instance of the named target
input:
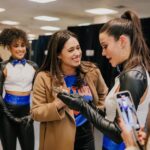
(70, 12)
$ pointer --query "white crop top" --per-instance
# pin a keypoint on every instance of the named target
(19, 77)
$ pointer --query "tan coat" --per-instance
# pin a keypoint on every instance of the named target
(57, 128)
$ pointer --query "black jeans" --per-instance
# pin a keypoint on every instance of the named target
(10, 131)
(84, 137)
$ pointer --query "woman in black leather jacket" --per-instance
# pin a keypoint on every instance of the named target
(16, 78)
(122, 43)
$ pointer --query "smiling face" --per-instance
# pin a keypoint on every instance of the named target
(70, 55)
(116, 51)
(18, 49)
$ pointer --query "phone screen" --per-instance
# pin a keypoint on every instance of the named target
(127, 109)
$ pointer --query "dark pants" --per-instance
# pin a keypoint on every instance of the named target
(84, 137)
(10, 131)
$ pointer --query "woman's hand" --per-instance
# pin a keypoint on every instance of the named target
(127, 135)
(59, 104)
(141, 136)
(74, 101)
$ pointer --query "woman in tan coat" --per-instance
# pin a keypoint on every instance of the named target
(63, 68)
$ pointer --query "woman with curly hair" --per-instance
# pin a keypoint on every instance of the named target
(16, 78)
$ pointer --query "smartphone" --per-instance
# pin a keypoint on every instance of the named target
(126, 109)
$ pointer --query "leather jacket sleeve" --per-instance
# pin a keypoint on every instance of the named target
(33, 64)
(107, 127)
(1, 80)
(93, 114)
(134, 81)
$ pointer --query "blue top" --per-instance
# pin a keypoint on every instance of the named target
(84, 91)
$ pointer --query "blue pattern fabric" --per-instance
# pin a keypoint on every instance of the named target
(71, 82)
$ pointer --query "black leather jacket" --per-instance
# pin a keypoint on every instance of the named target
(3, 107)
(135, 81)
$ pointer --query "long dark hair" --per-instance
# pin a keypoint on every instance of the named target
(51, 63)
(129, 24)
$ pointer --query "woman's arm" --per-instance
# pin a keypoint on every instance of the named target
(107, 127)
(132, 141)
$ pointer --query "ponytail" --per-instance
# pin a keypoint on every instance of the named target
(139, 51)
(129, 24)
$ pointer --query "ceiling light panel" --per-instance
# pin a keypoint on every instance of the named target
(2, 9)
(46, 18)
(9, 22)
(101, 11)
(48, 33)
(32, 36)
(42, 1)
(84, 24)
(50, 28)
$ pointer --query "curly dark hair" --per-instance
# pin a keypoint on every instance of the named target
(8, 35)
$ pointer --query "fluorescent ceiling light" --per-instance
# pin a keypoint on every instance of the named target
(84, 24)
(101, 11)
(46, 18)
(32, 36)
(50, 28)
(2, 9)
(9, 22)
(42, 1)
(48, 33)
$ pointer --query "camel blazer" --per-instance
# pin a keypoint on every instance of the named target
(57, 128)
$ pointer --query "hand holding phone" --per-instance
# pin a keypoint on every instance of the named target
(126, 110)
(128, 123)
